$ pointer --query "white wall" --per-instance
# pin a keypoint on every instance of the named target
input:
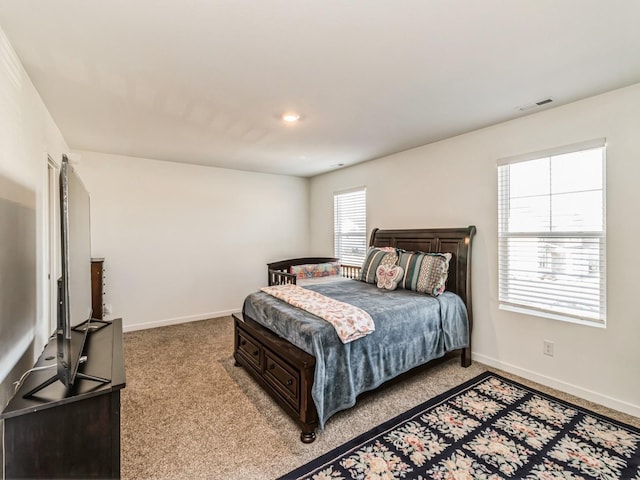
(27, 135)
(185, 242)
(453, 183)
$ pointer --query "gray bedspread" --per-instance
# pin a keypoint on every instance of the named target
(411, 329)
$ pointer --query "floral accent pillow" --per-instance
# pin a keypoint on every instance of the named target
(315, 270)
(389, 276)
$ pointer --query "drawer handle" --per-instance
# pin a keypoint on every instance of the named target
(290, 382)
(243, 342)
(272, 366)
(255, 352)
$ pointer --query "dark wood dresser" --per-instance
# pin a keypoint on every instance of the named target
(69, 433)
(97, 287)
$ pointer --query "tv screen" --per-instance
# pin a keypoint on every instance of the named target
(74, 304)
(74, 320)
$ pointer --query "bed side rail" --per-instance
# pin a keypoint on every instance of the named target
(350, 271)
(278, 277)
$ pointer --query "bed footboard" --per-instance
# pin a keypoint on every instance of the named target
(283, 370)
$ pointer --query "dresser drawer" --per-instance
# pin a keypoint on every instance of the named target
(283, 377)
(249, 349)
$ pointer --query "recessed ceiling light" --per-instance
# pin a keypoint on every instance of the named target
(290, 117)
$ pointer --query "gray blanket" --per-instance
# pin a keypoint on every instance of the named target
(411, 329)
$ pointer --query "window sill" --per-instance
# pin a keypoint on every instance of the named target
(552, 316)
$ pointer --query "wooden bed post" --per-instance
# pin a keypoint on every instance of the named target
(466, 353)
(465, 357)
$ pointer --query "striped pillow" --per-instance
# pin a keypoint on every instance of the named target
(374, 258)
(424, 272)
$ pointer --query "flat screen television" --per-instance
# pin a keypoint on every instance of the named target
(74, 310)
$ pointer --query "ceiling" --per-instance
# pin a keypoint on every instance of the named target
(206, 81)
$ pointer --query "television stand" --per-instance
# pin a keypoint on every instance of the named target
(91, 325)
(54, 378)
(69, 432)
(79, 335)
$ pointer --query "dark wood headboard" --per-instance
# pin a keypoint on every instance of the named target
(456, 241)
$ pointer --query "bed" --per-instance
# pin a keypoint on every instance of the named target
(297, 358)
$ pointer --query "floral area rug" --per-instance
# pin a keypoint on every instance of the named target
(487, 428)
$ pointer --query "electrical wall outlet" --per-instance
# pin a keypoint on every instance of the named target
(547, 347)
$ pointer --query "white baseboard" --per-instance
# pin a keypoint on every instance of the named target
(590, 395)
(176, 321)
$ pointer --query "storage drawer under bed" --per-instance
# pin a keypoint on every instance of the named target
(283, 377)
(250, 349)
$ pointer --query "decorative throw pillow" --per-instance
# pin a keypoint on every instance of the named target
(424, 272)
(374, 258)
(389, 276)
(314, 270)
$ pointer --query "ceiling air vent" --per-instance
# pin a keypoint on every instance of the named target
(537, 104)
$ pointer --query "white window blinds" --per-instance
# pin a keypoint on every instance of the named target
(350, 226)
(551, 233)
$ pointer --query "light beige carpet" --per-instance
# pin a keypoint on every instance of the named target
(188, 412)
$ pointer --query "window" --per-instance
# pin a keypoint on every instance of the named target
(350, 226)
(551, 233)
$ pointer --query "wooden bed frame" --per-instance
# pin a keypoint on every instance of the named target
(286, 372)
